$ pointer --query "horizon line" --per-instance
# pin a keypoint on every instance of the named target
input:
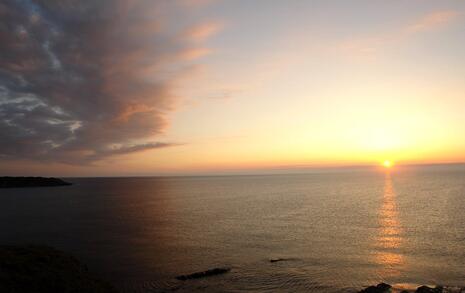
(263, 172)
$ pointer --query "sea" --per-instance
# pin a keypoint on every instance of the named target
(334, 230)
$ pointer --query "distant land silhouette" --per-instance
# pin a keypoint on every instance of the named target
(12, 182)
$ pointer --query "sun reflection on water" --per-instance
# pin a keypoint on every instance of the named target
(389, 239)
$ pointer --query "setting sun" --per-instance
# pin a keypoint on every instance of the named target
(387, 164)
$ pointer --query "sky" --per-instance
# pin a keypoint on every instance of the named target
(128, 88)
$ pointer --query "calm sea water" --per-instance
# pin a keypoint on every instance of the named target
(338, 231)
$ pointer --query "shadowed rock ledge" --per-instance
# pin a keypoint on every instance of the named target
(12, 182)
(41, 269)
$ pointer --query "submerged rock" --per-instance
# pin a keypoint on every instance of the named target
(380, 288)
(278, 259)
(426, 289)
(11, 182)
(198, 275)
(41, 269)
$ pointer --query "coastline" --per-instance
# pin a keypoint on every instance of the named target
(19, 182)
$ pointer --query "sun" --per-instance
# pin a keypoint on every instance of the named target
(387, 164)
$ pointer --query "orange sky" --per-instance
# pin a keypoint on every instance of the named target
(273, 84)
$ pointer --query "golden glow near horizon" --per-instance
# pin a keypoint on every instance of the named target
(357, 98)
(387, 164)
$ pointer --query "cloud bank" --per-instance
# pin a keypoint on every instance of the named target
(84, 80)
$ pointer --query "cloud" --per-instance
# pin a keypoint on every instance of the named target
(195, 3)
(368, 46)
(84, 80)
(432, 21)
(203, 31)
(195, 53)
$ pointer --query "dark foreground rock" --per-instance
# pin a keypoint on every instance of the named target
(380, 288)
(11, 182)
(40, 269)
(198, 275)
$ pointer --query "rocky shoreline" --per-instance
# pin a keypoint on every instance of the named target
(386, 288)
(43, 269)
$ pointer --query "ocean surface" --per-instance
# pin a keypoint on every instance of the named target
(336, 231)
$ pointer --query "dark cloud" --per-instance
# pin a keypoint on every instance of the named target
(84, 80)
